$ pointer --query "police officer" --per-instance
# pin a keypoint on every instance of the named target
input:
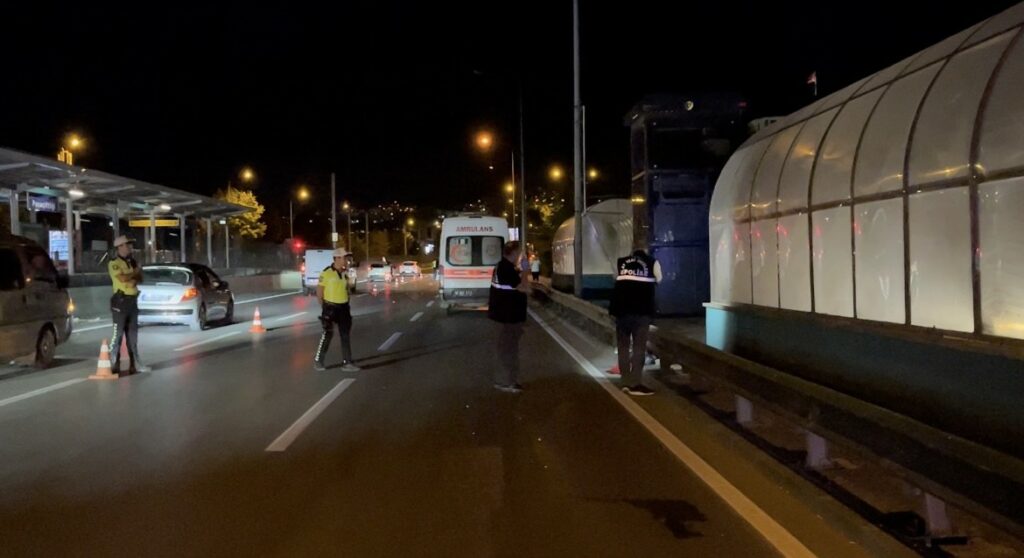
(632, 305)
(332, 291)
(125, 276)
(507, 306)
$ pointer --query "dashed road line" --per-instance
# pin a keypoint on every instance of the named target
(218, 338)
(40, 391)
(267, 298)
(416, 317)
(391, 341)
(288, 436)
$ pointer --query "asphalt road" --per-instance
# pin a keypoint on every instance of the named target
(234, 446)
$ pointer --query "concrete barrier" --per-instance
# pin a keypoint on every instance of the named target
(94, 301)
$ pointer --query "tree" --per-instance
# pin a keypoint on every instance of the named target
(249, 224)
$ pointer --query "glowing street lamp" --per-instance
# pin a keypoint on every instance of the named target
(556, 173)
(592, 174)
(72, 142)
(484, 140)
(247, 174)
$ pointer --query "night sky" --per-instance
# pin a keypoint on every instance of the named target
(387, 93)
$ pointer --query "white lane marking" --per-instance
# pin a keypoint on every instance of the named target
(429, 304)
(267, 298)
(416, 317)
(91, 328)
(288, 436)
(39, 391)
(776, 534)
(290, 316)
(218, 338)
(391, 341)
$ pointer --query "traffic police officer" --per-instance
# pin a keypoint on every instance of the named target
(332, 291)
(125, 276)
(632, 305)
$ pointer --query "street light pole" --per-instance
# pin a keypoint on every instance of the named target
(291, 219)
(577, 138)
(522, 169)
(513, 192)
(334, 216)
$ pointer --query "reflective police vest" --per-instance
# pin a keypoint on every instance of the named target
(634, 286)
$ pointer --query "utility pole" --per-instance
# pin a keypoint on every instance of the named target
(522, 169)
(334, 216)
(577, 139)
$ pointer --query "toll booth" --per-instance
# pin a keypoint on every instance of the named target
(678, 146)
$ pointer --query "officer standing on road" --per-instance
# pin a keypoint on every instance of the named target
(632, 305)
(125, 275)
(332, 291)
(507, 306)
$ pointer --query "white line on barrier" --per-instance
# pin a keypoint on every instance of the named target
(391, 341)
(776, 534)
(218, 338)
(39, 391)
(416, 317)
(288, 436)
(429, 304)
(267, 298)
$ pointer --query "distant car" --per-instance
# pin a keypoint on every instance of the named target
(184, 293)
(380, 272)
(35, 307)
(409, 269)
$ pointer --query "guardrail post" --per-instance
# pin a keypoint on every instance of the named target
(817, 451)
(935, 517)
(744, 410)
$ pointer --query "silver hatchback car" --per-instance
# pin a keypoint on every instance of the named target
(184, 293)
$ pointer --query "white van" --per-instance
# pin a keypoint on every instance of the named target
(471, 246)
(315, 261)
(35, 307)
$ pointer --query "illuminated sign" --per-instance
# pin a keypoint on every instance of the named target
(474, 228)
(143, 223)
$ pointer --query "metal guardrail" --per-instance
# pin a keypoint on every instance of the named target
(982, 481)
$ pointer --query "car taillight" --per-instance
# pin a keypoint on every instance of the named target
(190, 293)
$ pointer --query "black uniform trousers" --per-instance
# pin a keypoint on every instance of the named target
(332, 315)
(631, 332)
(125, 311)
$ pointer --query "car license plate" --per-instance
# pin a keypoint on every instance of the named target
(463, 293)
(155, 298)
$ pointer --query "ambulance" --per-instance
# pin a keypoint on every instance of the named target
(471, 246)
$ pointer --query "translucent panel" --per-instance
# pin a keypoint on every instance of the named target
(794, 263)
(878, 230)
(999, 146)
(731, 197)
(884, 147)
(1001, 223)
(1001, 22)
(834, 172)
(833, 262)
(766, 184)
(841, 96)
(731, 280)
(940, 260)
(764, 262)
(887, 75)
(796, 174)
(942, 50)
(723, 197)
(942, 137)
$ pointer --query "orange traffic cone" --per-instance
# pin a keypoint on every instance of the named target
(614, 370)
(257, 324)
(103, 370)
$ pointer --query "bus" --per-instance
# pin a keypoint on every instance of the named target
(471, 245)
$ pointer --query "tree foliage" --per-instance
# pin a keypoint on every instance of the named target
(249, 224)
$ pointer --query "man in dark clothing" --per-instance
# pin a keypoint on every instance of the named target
(507, 306)
(632, 305)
